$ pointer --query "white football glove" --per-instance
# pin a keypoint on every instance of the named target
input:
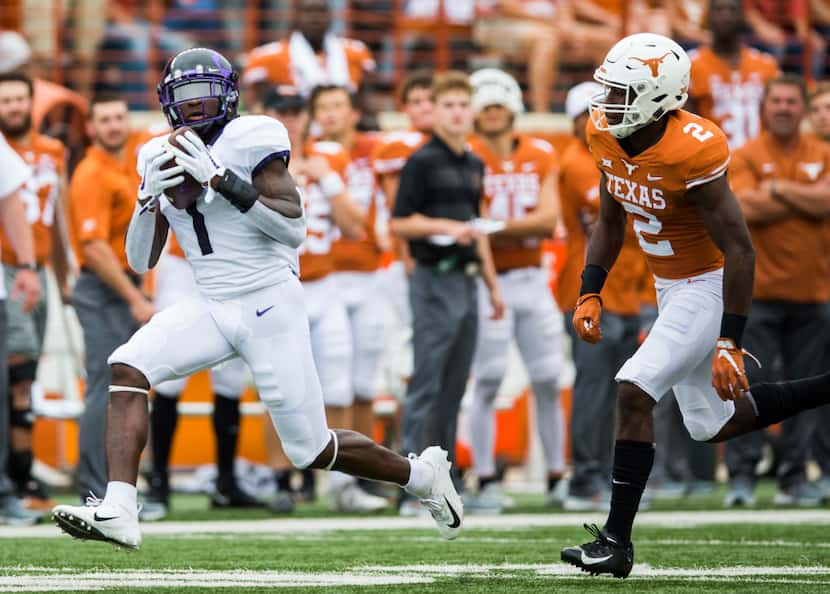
(156, 180)
(195, 157)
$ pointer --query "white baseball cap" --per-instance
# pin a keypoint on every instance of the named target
(14, 51)
(579, 98)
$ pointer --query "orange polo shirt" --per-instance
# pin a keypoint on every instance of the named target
(792, 255)
(102, 196)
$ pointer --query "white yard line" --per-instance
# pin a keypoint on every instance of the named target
(44, 579)
(292, 526)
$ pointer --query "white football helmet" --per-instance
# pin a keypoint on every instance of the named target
(653, 72)
(492, 86)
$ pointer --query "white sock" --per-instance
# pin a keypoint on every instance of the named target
(123, 494)
(421, 477)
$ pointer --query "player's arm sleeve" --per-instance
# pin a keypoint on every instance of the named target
(710, 162)
(273, 181)
(410, 190)
(139, 241)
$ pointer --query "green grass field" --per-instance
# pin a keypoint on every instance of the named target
(680, 547)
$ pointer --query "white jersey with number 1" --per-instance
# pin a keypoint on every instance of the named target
(230, 256)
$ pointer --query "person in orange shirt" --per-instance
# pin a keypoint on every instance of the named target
(42, 197)
(319, 168)
(782, 180)
(728, 77)
(357, 261)
(313, 55)
(521, 191)
(594, 390)
(107, 297)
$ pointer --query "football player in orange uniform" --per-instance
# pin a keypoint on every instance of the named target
(319, 169)
(357, 261)
(311, 56)
(521, 189)
(666, 168)
(727, 78)
(42, 196)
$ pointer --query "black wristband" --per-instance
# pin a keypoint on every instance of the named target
(29, 266)
(593, 278)
(237, 191)
(732, 326)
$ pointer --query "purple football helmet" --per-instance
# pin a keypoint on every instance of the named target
(199, 74)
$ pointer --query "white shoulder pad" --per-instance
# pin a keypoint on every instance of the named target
(248, 141)
(406, 137)
(148, 150)
(542, 145)
(328, 147)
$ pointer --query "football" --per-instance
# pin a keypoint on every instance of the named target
(187, 192)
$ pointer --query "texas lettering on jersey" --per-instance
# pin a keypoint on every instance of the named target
(652, 187)
(511, 191)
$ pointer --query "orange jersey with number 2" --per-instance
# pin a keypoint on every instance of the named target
(652, 188)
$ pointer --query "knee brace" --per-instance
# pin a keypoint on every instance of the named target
(22, 372)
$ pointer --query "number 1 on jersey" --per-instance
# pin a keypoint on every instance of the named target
(201, 229)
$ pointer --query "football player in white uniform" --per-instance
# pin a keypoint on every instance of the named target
(521, 177)
(241, 237)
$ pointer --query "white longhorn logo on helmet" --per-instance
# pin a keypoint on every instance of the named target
(645, 76)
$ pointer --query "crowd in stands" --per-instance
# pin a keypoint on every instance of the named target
(549, 45)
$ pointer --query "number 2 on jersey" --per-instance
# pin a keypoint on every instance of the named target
(697, 131)
(652, 226)
(201, 229)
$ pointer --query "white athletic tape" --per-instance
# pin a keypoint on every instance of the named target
(336, 447)
(129, 389)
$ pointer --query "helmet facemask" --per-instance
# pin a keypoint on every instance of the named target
(213, 89)
(631, 114)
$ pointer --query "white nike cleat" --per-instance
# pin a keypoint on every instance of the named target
(97, 520)
(351, 498)
(442, 501)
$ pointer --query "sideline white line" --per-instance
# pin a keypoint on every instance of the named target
(503, 522)
(43, 579)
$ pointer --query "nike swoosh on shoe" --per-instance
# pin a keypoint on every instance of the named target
(456, 521)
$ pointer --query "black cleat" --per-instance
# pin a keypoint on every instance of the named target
(235, 497)
(603, 555)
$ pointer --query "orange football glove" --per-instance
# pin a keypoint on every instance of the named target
(728, 375)
(586, 317)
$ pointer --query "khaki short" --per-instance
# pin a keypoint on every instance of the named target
(509, 36)
(25, 330)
